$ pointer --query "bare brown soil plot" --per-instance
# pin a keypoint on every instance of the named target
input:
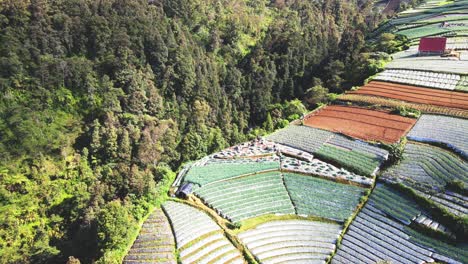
(425, 108)
(415, 94)
(365, 124)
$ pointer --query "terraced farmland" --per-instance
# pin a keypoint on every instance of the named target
(361, 123)
(395, 204)
(359, 162)
(449, 131)
(415, 94)
(430, 9)
(323, 169)
(373, 237)
(199, 238)
(444, 17)
(291, 241)
(317, 197)
(259, 149)
(155, 243)
(317, 170)
(445, 81)
(301, 137)
(453, 202)
(254, 148)
(381, 231)
(346, 152)
(428, 167)
(248, 197)
(409, 59)
(220, 171)
(435, 29)
(342, 142)
(424, 108)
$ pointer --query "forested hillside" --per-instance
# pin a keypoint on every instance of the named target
(102, 100)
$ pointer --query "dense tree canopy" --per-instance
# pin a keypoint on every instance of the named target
(101, 99)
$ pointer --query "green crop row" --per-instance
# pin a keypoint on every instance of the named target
(432, 29)
(355, 161)
(459, 252)
(318, 197)
(213, 172)
(256, 194)
(435, 165)
(394, 203)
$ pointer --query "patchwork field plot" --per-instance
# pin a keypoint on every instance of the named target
(442, 129)
(424, 108)
(428, 167)
(361, 123)
(373, 237)
(436, 80)
(415, 94)
(247, 161)
(442, 252)
(444, 17)
(381, 231)
(248, 197)
(403, 209)
(410, 60)
(301, 137)
(395, 204)
(155, 243)
(454, 202)
(360, 162)
(435, 29)
(199, 238)
(345, 151)
(428, 10)
(292, 241)
(343, 142)
(318, 197)
(259, 148)
(249, 149)
(323, 169)
(220, 171)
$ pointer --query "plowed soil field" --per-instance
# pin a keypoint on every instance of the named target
(415, 94)
(365, 124)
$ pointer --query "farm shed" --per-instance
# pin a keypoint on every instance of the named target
(432, 46)
(185, 190)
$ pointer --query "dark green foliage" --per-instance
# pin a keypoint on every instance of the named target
(395, 151)
(316, 95)
(391, 43)
(97, 96)
(457, 186)
(408, 112)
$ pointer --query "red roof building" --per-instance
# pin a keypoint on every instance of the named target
(432, 45)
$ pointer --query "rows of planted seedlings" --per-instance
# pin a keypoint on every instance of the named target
(291, 240)
(449, 131)
(318, 197)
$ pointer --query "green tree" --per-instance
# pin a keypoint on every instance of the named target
(268, 124)
(316, 95)
(113, 221)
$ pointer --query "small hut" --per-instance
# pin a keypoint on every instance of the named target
(185, 190)
(432, 46)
